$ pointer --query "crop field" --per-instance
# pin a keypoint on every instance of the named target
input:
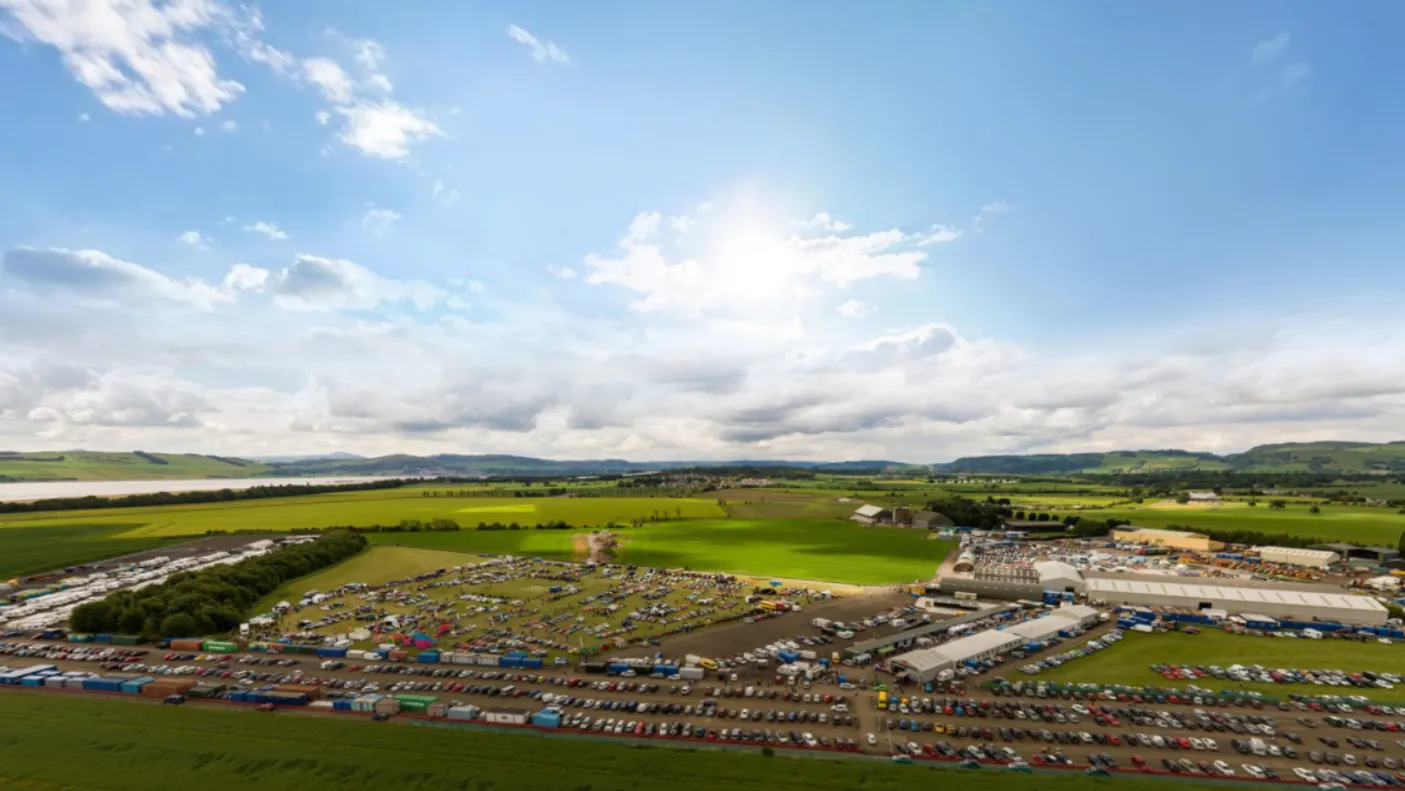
(54, 741)
(1063, 501)
(829, 550)
(1129, 662)
(1363, 524)
(30, 551)
(384, 507)
(572, 619)
(782, 503)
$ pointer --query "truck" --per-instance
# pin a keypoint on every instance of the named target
(821, 623)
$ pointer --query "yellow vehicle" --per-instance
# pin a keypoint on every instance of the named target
(768, 606)
(707, 664)
(939, 728)
(883, 699)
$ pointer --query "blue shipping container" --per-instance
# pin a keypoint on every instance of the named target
(532, 662)
(332, 653)
(509, 661)
(428, 658)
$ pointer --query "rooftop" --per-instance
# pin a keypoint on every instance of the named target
(869, 510)
(1242, 595)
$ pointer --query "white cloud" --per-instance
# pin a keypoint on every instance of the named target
(822, 221)
(243, 277)
(378, 221)
(269, 229)
(194, 239)
(1271, 49)
(994, 207)
(84, 117)
(316, 283)
(542, 52)
(939, 234)
(331, 79)
(199, 131)
(229, 126)
(444, 195)
(93, 274)
(139, 57)
(322, 117)
(855, 309)
(562, 272)
(385, 129)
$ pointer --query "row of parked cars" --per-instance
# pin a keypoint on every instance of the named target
(72, 652)
(585, 722)
(1282, 675)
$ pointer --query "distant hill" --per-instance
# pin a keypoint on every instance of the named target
(82, 465)
(500, 465)
(339, 456)
(1315, 457)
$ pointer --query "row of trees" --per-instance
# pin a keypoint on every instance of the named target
(212, 600)
(186, 498)
(965, 512)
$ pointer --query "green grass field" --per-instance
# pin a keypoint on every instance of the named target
(1363, 524)
(385, 506)
(32, 551)
(91, 466)
(829, 550)
(55, 741)
(1129, 662)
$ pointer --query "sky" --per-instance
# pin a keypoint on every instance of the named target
(721, 230)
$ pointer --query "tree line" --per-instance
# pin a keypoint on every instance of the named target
(188, 498)
(211, 600)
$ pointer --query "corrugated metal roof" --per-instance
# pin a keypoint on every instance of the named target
(869, 510)
(1230, 594)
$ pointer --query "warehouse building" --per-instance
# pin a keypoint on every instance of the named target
(1301, 605)
(1293, 556)
(1167, 539)
(924, 665)
(1015, 583)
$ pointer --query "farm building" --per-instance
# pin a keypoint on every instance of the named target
(966, 563)
(924, 665)
(1312, 558)
(1204, 497)
(1170, 539)
(1275, 602)
(872, 515)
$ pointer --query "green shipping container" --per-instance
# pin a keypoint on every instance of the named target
(217, 647)
(413, 706)
(420, 699)
(125, 639)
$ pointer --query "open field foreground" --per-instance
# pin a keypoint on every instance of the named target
(828, 550)
(1129, 662)
(55, 741)
(379, 507)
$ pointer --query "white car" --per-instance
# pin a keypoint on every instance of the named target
(1305, 774)
(1224, 769)
(872, 740)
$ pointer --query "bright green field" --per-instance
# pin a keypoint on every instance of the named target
(55, 741)
(91, 466)
(32, 551)
(1129, 662)
(830, 550)
(386, 507)
(1363, 524)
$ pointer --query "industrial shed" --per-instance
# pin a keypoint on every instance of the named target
(1312, 558)
(925, 664)
(872, 514)
(1061, 577)
(1276, 602)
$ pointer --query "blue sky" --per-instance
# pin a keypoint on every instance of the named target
(722, 230)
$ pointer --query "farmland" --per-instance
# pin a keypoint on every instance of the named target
(1129, 662)
(29, 551)
(1362, 524)
(828, 550)
(55, 741)
(380, 507)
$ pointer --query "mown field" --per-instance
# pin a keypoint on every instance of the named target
(1129, 662)
(56, 741)
(95, 466)
(379, 507)
(30, 551)
(1362, 524)
(829, 550)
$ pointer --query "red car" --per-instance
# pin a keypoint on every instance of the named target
(1140, 763)
(264, 707)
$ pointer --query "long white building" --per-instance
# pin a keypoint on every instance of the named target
(1300, 605)
(1312, 558)
(926, 663)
